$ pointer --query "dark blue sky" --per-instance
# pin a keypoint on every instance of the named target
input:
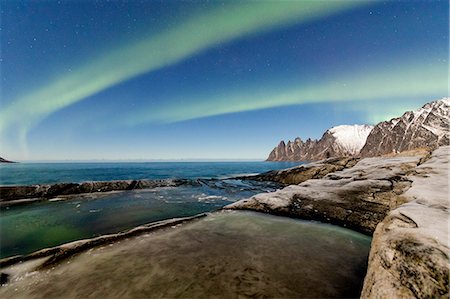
(212, 80)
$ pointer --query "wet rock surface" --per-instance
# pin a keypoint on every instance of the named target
(58, 253)
(404, 200)
(358, 197)
(224, 255)
(299, 174)
(16, 193)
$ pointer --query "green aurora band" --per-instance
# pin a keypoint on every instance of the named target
(408, 79)
(192, 36)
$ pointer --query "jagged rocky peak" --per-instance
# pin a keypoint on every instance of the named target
(427, 127)
(339, 141)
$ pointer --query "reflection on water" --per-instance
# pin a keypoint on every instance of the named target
(32, 227)
(227, 255)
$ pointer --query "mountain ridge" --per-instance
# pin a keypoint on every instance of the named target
(338, 141)
(426, 127)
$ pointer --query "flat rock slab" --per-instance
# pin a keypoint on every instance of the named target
(225, 255)
(410, 250)
(358, 197)
(301, 173)
(10, 195)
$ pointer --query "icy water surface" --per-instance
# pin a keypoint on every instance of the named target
(226, 255)
(31, 227)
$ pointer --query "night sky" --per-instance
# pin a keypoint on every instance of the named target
(208, 80)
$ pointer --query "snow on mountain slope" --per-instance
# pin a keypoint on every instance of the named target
(426, 127)
(340, 141)
(351, 138)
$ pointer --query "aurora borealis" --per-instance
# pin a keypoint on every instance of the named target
(193, 80)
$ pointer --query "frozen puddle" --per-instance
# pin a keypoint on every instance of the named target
(228, 254)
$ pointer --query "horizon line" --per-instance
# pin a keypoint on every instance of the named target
(142, 160)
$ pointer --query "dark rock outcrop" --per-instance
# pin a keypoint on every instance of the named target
(301, 173)
(340, 141)
(358, 197)
(4, 278)
(427, 127)
(13, 194)
(5, 161)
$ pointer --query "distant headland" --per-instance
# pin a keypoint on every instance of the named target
(5, 161)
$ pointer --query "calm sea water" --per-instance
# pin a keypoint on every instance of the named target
(24, 229)
(48, 173)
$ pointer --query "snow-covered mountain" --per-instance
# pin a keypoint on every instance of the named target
(350, 139)
(339, 141)
(427, 127)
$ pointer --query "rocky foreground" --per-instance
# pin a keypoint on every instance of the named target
(224, 255)
(403, 200)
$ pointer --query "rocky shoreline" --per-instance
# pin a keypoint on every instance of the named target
(402, 200)
(59, 253)
(14, 195)
(358, 196)
(301, 173)
(224, 255)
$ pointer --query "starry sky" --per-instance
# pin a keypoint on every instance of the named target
(126, 80)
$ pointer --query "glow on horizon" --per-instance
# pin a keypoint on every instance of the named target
(189, 38)
(408, 79)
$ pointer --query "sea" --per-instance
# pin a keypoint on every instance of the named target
(226, 253)
(50, 173)
(27, 228)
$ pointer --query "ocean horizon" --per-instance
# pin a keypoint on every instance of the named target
(66, 219)
(31, 173)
